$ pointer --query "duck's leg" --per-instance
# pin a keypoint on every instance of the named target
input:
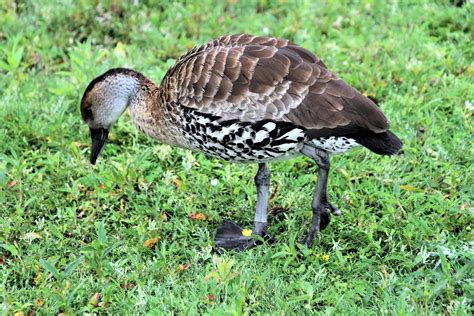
(262, 181)
(229, 235)
(321, 207)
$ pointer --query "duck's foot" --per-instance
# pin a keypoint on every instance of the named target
(334, 210)
(230, 236)
(321, 218)
(327, 210)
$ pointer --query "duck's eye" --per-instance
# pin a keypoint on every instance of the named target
(88, 113)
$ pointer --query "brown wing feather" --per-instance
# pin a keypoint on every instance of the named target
(256, 78)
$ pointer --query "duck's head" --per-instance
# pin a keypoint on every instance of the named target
(104, 100)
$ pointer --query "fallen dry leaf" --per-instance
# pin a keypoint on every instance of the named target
(95, 299)
(38, 277)
(197, 216)
(18, 314)
(150, 243)
(177, 183)
(127, 286)
(274, 193)
(210, 298)
(184, 267)
(384, 271)
(39, 302)
(83, 212)
(80, 145)
(347, 199)
(122, 205)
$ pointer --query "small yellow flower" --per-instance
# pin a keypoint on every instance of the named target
(247, 232)
(325, 257)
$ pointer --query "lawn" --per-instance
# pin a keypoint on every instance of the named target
(134, 234)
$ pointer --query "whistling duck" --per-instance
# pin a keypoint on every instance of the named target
(245, 98)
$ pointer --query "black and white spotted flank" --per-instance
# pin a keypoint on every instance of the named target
(263, 141)
(233, 140)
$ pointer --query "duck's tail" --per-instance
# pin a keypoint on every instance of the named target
(386, 143)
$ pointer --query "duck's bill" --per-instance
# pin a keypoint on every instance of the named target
(99, 137)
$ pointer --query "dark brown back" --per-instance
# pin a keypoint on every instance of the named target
(257, 78)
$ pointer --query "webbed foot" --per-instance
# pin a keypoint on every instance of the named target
(230, 236)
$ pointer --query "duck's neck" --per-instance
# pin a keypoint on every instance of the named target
(149, 113)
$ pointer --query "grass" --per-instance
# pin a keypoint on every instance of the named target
(118, 238)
